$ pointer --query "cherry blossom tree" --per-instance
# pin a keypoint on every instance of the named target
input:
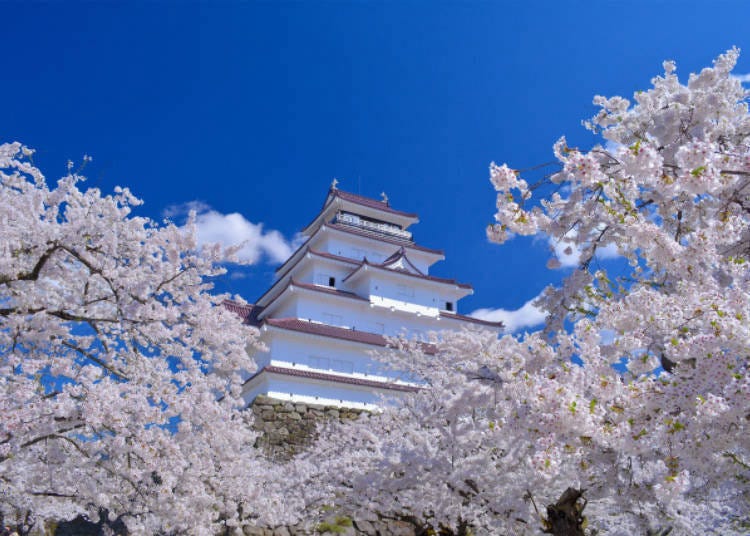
(119, 375)
(630, 412)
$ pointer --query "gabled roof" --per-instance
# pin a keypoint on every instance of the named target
(304, 248)
(365, 265)
(399, 261)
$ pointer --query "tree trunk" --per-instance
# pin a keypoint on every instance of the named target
(564, 518)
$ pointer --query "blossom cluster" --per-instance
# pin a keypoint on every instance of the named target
(119, 374)
(638, 389)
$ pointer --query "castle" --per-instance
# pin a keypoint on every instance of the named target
(358, 278)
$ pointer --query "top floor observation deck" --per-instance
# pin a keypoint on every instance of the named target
(368, 224)
(373, 215)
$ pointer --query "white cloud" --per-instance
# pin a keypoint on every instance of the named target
(743, 78)
(568, 254)
(177, 211)
(297, 240)
(528, 315)
(234, 230)
(612, 146)
(213, 227)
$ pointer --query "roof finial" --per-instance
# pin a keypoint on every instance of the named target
(334, 183)
(384, 197)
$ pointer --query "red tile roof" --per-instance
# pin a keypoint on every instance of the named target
(433, 278)
(471, 319)
(368, 202)
(248, 312)
(383, 238)
(314, 328)
(411, 274)
(334, 193)
(335, 378)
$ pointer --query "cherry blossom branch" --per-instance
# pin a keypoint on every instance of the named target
(88, 355)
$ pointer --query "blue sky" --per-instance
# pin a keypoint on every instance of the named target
(253, 108)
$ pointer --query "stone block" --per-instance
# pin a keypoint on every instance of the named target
(365, 527)
(269, 426)
(400, 528)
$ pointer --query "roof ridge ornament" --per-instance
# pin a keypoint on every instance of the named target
(334, 184)
(384, 199)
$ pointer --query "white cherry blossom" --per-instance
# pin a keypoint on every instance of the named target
(107, 337)
(650, 422)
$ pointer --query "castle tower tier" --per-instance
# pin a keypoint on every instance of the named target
(358, 278)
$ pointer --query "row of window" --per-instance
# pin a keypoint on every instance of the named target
(334, 365)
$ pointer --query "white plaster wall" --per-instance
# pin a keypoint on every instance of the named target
(288, 309)
(309, 391)
(308, 352)
(262, 357)
(403, 293)
(407, 294)
(339, 312)
(377, 317)
(322, 271)
(358, 247)
(255, 387)
(304, 271)
(359, 286)
(413, 308)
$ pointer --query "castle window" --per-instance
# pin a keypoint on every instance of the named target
(449, 306)
(405, 291)
(325, 279)
(318, 362)
(342, 365)
(333, 319)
